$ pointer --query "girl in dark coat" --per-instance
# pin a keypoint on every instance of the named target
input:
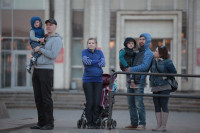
(160, 85)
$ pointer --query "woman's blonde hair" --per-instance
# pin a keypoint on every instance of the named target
(91, 38)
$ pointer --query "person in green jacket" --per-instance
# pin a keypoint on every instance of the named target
(126, 57)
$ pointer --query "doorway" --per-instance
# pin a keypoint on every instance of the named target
(164, 27)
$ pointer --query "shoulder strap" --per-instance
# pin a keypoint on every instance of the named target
(157, 67)
(150, 68)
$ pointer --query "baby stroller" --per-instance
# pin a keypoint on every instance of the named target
(104, 108)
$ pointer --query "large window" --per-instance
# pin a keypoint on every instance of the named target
(6, 23)
(77, 47)
(160, 42)
(184, 45)
(77, 24)
(15, 49)
(20, 71)
(6, 69)
(113, 40)
(21, 21)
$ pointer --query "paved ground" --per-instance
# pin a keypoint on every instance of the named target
(65, 122)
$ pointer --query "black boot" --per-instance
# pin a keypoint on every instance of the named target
(47, 127)
(36, 126)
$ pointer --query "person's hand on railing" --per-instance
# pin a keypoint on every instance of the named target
(127, 69)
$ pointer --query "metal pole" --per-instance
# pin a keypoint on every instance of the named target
(111, 99)
(158, 74)
(157, 95)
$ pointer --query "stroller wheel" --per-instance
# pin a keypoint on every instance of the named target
(79, 123)
(84, 124)
(103, 124)
(114, 124)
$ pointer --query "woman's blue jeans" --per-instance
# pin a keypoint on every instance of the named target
(136, 105)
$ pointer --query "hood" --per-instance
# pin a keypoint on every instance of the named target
(129, 39)
(33, 19)
(55, 35)
(147, 37)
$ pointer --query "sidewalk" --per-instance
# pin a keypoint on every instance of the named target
(13, 124)
(66, 120)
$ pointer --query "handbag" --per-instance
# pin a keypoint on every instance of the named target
(172, 81)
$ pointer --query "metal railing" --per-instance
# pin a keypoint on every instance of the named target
(112, 94)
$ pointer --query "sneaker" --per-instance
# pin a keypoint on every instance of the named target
(133, 127)
(28, 68)
(141, 127)
(33, 59)
(35, 126)
(47, 127)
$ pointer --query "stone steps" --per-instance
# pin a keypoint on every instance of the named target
(75, 100)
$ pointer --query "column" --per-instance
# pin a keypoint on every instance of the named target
(62, 71)
(196, 42)
(97, 24)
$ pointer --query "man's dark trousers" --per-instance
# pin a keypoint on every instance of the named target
(42, 80)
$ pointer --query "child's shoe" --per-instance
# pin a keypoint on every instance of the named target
(28, 68)
(33, 60)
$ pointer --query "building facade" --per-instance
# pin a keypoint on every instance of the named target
(172, 23)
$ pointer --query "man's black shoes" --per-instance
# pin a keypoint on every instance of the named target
(35, 127)
(47, 127)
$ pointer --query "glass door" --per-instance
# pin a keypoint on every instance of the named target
(20, 71)
(5, 69)
(20, 77)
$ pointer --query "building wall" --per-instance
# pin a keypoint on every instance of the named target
(196, 38)
(100, 19)
(160, 24)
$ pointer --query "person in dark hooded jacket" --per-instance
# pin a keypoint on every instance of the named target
(36, 39)
(126, 57)
(142, 63)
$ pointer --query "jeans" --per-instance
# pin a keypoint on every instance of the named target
(42, 85)
(33, 45)
(161, 102)
(136, 105)
(92, 92)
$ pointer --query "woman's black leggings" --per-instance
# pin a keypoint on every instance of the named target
(161, 102)
(92, 92)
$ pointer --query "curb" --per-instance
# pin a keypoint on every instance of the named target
(13, 124)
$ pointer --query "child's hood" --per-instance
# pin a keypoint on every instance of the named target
(129, 39)
(33, 19)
